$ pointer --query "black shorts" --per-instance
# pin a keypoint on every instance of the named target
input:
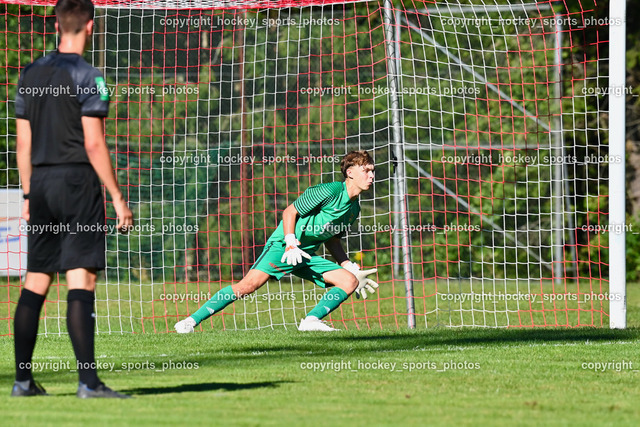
(67, 219)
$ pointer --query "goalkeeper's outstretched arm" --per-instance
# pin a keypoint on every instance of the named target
(292, 254)
(289, 216)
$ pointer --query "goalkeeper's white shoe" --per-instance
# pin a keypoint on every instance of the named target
(185, 326)
(312, 323)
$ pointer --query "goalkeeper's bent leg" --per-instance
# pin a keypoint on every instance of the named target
(218, 302)
(329, 302)
(344, 285)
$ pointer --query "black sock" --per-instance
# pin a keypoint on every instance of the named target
(25, 331)
(81, 327)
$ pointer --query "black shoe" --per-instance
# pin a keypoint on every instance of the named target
(102, 390)
(35, 389)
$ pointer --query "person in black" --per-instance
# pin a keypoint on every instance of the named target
(62, 155)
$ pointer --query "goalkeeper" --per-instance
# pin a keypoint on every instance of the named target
(319, 216)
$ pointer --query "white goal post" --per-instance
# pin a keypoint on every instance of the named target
(617, 180)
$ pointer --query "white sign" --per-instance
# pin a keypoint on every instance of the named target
(13, 243)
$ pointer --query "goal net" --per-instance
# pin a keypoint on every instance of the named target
(484, 118)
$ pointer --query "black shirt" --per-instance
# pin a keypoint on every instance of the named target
(54, 93)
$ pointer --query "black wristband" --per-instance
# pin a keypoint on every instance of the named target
(25, 196)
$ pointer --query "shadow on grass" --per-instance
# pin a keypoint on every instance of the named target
(447, 336)
(200, 387)
(196, 387)
(372, 341)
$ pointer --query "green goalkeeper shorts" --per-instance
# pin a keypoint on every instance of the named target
(310, 269)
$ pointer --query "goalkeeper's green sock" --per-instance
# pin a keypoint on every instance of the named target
(329, 302)
(219, 301)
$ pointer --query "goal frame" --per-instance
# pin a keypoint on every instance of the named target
(617, 180)
(401, 248)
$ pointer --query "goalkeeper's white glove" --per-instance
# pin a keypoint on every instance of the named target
(292, 253)
(364, 284)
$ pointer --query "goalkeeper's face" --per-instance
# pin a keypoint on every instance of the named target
(362, 176)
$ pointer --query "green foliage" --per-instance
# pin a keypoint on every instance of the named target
(633, 250)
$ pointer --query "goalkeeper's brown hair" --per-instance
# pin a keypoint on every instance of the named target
(73, 15)
(355, 158)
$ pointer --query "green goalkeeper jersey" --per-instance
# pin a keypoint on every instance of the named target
(325, 211)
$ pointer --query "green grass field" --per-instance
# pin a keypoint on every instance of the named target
(436, 376)
(268, 378)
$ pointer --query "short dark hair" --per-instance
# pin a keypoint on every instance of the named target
(355, 158)
(73, 15)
